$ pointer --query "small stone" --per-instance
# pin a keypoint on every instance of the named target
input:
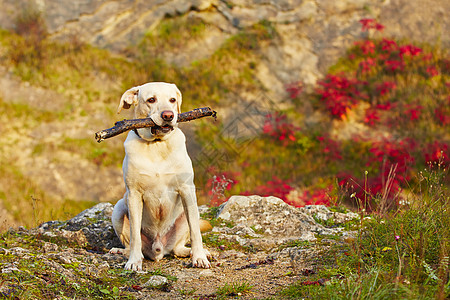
(18, 251)
(64, 259)
(155, 281)
(50, 247)
(206, 273)
(10, 270)
(103, 266)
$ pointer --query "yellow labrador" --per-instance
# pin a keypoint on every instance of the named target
(158, 213)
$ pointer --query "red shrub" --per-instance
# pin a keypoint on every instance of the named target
(276, 187)
(438, 153)
(385, 87)
(413, 111)
(409, 50)
(340, 94)
(388, 45)
(277, 126)
(393, 65)
(330, 148)
(366, 46)
(432, 71)
(442, 113)
(393, 153)
(372, 116)
(371, 24)
(367, 64)
(294, 89)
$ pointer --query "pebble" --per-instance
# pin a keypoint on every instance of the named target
(155, 281)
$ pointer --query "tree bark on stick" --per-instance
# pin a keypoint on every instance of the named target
(125, 125)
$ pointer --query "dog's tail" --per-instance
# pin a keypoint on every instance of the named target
(205, 226)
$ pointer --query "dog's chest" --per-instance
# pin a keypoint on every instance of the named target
(157, 171)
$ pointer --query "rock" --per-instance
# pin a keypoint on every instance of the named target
(101, 211)
(156, 281)
(18, 251)
(271, 214)
(322, 212)
(275, 222)
(10, 270)
(92, 227)
(49, 247)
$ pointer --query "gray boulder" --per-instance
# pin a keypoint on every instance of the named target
(91, 228)
(263, 223)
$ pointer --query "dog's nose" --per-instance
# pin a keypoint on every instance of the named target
(167, 115)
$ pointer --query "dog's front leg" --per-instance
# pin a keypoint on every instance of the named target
(135, 206)
(187, 193)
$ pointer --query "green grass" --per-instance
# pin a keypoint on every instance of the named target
(234, 289)
(400, 254)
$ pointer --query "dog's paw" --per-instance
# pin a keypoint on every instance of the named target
(119, 251)
(199, 260)
(134, 264)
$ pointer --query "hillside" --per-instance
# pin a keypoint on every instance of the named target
(324, 177)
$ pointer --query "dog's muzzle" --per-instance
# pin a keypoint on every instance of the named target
(167, 116)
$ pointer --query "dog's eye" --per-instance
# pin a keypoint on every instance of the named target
(151, 100)
(173, 100)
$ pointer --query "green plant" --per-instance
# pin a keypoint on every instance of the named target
(234, 289)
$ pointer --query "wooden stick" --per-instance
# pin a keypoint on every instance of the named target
(125, 125)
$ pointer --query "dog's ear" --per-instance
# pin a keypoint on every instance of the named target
(179, 99)
(129, 98)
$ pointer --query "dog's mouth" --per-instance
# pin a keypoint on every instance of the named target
(161, 129)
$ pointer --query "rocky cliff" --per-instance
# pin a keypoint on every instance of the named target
(312, 33)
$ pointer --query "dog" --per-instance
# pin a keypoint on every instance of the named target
(158, 213)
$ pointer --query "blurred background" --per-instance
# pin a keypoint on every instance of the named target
(319, 102)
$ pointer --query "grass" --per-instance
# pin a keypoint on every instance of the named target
(40, 275)
(398, 254)
(36, 277)
(29, 204)
(234, 289)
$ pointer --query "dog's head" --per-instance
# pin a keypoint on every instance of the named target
(159, 101)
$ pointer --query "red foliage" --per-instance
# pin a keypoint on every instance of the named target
(367, 64)
(409, 50)
(282, 188)
(319, 196)
(372, 116)
(442, 113)
(432, 71)
(276, 187)
(294, 89)
(438, 153)
(371, 24)
(388, 45)
(393, 153)
(340, 93)
(413, 111)
(330, 148)
(277, 126)
(366, 46)
(386, 155)
(385, 87)
(393, 65)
